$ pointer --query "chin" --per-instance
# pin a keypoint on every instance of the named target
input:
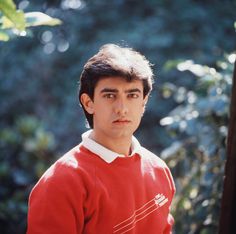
(118, 133)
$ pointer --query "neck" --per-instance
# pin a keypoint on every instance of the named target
(119, 145)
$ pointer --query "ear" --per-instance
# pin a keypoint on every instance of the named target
(145, 100)
(87, 103)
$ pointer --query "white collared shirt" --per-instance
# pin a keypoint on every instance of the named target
(104, 153)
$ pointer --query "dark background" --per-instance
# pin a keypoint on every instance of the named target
(192, 46)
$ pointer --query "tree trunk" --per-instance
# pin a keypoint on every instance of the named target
(227, 224)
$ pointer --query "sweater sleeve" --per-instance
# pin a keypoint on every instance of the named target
(168, 181)
(170, 222)
(170, 219)
(56, 203)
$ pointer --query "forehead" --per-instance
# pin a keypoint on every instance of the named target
(119, 83)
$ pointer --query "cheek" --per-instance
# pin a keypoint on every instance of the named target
(137, 114)
(139, 109)
(102, 111)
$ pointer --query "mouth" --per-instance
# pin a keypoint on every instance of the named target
(121, 121)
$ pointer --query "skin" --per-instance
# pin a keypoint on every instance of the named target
(117, 109)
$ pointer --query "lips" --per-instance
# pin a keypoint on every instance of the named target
(121, 121)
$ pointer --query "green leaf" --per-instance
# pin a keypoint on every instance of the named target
(4, 36)
(170, 64)
(12, 18)
(39, 18)
(7, 6)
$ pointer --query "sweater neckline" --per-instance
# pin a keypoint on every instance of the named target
(103, 152)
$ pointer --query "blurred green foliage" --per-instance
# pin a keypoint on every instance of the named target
(26, 151)
(16, 22)
(198, 127)
(192, 44)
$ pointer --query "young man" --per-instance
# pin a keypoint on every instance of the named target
(109, 183)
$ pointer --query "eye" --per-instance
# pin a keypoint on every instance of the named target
(133, 95)
(109, 95)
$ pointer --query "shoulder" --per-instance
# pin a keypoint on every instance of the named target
(152, 158)
(158, 165)
(71, 169)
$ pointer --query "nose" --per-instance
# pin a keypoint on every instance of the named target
(121, 107)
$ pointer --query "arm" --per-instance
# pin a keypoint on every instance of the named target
(169, 225)
(170, 219)
(56, 204)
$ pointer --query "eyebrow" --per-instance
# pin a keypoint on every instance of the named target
(110, 90)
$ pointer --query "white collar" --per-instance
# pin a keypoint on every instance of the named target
(104, 153)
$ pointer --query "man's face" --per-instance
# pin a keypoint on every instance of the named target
(117, 107)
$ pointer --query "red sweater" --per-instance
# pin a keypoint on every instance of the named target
(81, 193)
